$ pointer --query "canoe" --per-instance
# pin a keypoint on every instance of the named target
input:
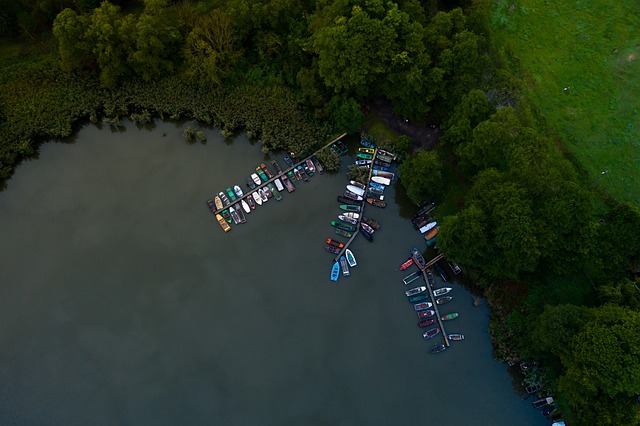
(364, 156)
(356, 190)
(343, 233)
(450, 316)
(372, 223)
(289, 161)
(377, 203)
(358, 184)
(455, 336)
(257, 198)
(334, 243)
(343, 226)
(415, 290)
(418, 259)
(422, 306)
(351, 259)
(366, 235)
(367, 228)
(429, 226)
(318, 165)
(245, 206)
(441, 291)
(438, 348)
(312, 167)
(367, 150)
(352, 196)
(276, 166)
(335, 272)
(418, 298)
(240, 213)
(261, 174)
(427, 314)
(350, 207)
(406, 264)
(225, 214)
(332, 249)
(426, 323)
(234, 215)
(266, 170)
(224, 198)
(443, 300)
(223, 223)
(411, 278)
(287, 183)
(279, 185)
(381, 173)
(344, 266)
(430, 333)
(348, 219)
(231, 194)
(274, 191)
(381, 180)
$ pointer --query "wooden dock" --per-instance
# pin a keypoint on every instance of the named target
(277, 175)
(433, 301)
(362, 204)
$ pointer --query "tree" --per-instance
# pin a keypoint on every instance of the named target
(346, 113)
(421, 176)
(74, 50)
(473, 109)
(465, 236)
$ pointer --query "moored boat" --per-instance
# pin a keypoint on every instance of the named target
(332, 249)
(218, 201)
(289, 161)
(256, 179)
(443, 274)
(344, 266)
(388, 154)
(311, 166)
(366, 235)
(443, 300)
(366, 227)
(251, 202)
(238, 191)
(426, 323)
(279, 184)
(454, 267)
(266, 170)
(351, 259)
(366, 143)
(406, 264)
(381, 180)
(245, 206)
(346, 200)
(428, 313)
(382, 173)
(348, 219)
(234, 215)
(378, 162)
(335, 272)
(411, 278)
(353, 215)
(240, 213)
(377, 203)
(428, 227)
(231, 194)
(372, 223)
(358, 184)
(223, 223)
(418, 259)
(422, 306)
(356, 190)
(418, 298)
(225, 214)
(367, 150)
(211, 206)
(274, 191)
(343, 226)
(334, 243)
(415, 290)
(352, 196)
(318, 165)
(263, 194)
(257, 198)
(377, 186)
(431, 233)
(380, 168)
(343, 233)
(455, 336)
(303, 173)
(224, 198)
(363, 162)
(384, 158)
(276, 166)
(430, 333)
(374, 191)
(441, 291)
(438, 348)
(450, 316)
(297, 173)
(261, 174)
(250, 183)
(350, 207)
(288, 184)
(364, 156)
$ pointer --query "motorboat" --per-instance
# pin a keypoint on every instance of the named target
(358, 184)
(250, 183)
(256, 197)
(276, 166)
(348, 219)
(415, 290)
(356, 190)
(234, 215)
(218, 201)
(266, 170)
(352, 196)
(438, 348)
(444, 300)
(231, 194)
(441, 291)
(366, 235)
(351, 259)
(455, 336)
(431, 333)
(287, 183)
(381, 180)
(428, 313)
(422, 306)
(376, 202)
(251, 202)
(366, 227)
(238, 191)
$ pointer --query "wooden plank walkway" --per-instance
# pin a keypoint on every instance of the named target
(277, 175)
(435, 305)
(434, 260)
(362, 204)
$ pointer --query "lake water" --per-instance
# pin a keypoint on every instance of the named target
(123, 302)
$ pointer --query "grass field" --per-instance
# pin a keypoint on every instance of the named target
(591, 48)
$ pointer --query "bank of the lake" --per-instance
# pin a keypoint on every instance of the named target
(122, 301)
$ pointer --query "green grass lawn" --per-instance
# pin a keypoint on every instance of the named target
(593, 49)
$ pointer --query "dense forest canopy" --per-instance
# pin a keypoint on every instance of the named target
(291, 72)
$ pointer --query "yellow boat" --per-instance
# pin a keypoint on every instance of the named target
(223, 223)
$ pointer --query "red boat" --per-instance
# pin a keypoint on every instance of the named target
(406, 264)
(334, 243)
(426, 323)
(426, 314)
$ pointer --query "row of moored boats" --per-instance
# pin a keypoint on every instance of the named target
(233, 204)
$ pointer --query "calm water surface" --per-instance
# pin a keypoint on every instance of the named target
(123, 302)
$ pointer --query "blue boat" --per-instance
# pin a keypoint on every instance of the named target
(289, 161)
(380, 168)
(366, 143)
(335, 272)
(377, 186)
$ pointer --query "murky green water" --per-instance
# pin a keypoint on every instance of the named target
(123, 302)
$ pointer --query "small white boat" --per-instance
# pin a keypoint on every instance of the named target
(356, 190)
(428, 227)
(347, 219)
(351, 259)
(367, 228)
(279, 185)
(441, 291)
(238, 191)
(256, 178)
(381, 180)
(456, 336)
(353, 215)
(415, 290)
(257, 198)
(263, 195)
(245, 206)
(363, 162)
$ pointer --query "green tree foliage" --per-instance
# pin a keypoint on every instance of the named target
(623, 293)
(421, 176)
(346, 113)
(465, 236)
(74, 50)
(473, 109)
(211, 48)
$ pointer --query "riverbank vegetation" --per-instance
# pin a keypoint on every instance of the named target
(519, 210)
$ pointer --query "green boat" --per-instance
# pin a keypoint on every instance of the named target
(232, 195)
(344, 233)
(226, 215)
(261, 174)
(350, 207)
(343, 226)
(432, 241)
(292, 178)
(449, 316)
(364, 156)
(274, 191)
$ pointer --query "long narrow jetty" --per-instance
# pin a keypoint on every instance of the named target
(435, 305)
(362, 204)
(277, 175)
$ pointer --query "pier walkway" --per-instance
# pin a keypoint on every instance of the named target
(429, 281)
(362, 204)
(277, 175)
